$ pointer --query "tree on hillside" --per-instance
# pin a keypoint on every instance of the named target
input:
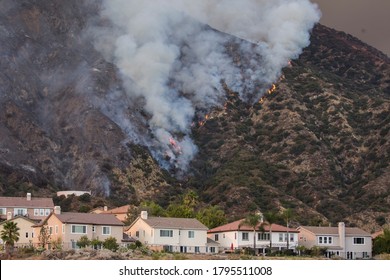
(253, 221)
(10, 235)
(271, 218)
(211, 216)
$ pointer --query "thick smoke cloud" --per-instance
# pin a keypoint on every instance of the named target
(172, 58)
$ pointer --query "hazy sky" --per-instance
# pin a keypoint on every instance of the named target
(368, 20)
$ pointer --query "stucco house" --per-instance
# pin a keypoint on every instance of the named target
(26, 234)
(119, 212)
(67, 228)
(172, 234)
(35, 208)
(235, 235)
(341, 241)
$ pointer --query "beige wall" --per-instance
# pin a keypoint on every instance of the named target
(65, 235)
(25, 232)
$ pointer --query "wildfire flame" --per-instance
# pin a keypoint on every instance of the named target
(270, 91)
(175, 145)
(203, 122)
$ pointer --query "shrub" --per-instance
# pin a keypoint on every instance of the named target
(111, 244)
(83, 242)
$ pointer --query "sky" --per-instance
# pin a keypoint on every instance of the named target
(368, 20)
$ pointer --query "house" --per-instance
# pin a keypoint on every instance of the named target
(235, 235)
(172, 234)
(345, 242)
(35, 208)
(26, 234)
(67, 228)
(119, 212)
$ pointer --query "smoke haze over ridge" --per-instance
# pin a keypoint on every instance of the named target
(171, 58)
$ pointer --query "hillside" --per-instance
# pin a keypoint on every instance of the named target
(319, 143)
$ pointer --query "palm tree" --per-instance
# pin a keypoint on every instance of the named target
(271, 218)
(287, 215)
(10, 235)
(253, 221)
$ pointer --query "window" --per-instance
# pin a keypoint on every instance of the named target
(50, 230)
(20, 211)
(56, 229)
(166, 233)
(93, 228)
(223, 235)
(245, 236)
(137, 233)
(358, 240)
(47, 212)
(36, 212)
(212, 249)
(285, 237)
(324, 240)
(280, 237)
(3, 211)
(216, 237)
(41, 212)
(292, 237)
(235, 235)
(106, 230)
(197, 249)
(263, 236)
(79, 229)
(26, 234)
(191, 234)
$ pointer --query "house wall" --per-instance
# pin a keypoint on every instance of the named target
(63, 232)
(25, 231)
(358, 249)
(30, 212)
(225, 239)
(179, 239)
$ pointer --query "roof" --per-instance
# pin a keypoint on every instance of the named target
(174, 223)
(35, 202)
(21, 217)
(335, 231)
(211, 242)
(119, 210)
(376, 234)
(88, 218)
(235, 226)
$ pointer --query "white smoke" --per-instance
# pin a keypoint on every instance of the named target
(170, 57)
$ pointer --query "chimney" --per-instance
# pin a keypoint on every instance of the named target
(105, 208)
(144, 215)
(57, 210)
(28, 196)
(9, 216)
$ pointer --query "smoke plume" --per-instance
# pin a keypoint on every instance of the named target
(172, 56)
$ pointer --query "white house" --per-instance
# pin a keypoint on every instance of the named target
(345, 242)
(172, 234)
(235, 235)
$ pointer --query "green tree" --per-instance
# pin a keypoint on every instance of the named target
(111, 244)
(10, 235)
(382, 243)
(153, 209)
(83, 242)
(96, 243)
(253, 221)
(180, 211)
(211, 216)
(271, 218)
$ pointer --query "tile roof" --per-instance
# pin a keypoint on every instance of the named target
(335, 230)
(88, 218)
(176, 223)
(21, 217)
(35, 202)
(119, 210)
(235, 226)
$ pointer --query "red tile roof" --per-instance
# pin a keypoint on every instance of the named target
(22, 202)
(235, 226)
